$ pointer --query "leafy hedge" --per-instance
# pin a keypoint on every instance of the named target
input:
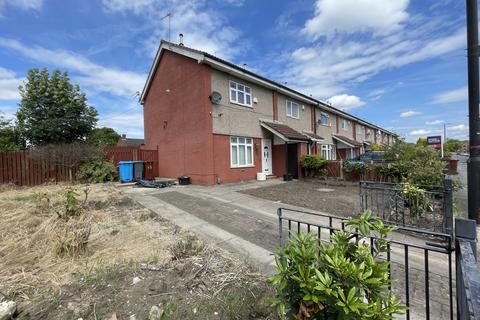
(97, 171)
(313, 164)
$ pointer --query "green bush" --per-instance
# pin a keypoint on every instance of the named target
(313, 163)
(342, 279)
(97, 171)
(359, 168)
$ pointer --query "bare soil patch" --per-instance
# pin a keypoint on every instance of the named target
(132, 261)
(339, 198)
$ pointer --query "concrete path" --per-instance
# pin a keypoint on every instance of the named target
(248, 226)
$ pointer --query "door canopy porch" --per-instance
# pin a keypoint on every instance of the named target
(284, 132)
(346, 143)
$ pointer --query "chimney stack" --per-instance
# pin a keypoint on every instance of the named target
(124, 136)
(181, 39)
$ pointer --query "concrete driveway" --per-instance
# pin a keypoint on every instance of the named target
(248, 226)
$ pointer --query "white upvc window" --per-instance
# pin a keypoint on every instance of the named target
(360, 129)
(344, 125)
(241, 152)
(328, 152)
(369, 132)
(240, 94)
(350, 153)
(293, 110)
(324, 119)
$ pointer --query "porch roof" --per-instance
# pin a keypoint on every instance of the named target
(284, 132)
(347, 141)
(314, 137)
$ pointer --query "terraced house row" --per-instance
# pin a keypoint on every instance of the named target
(218, 123)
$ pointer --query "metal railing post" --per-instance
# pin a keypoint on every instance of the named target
(448, 205)
(280, 231)
(465, 232)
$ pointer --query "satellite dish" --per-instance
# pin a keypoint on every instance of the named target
(215, 97)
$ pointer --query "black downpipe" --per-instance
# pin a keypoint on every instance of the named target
(473, 164)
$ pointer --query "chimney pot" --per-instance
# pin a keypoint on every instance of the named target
(124, 136)
(181, 39)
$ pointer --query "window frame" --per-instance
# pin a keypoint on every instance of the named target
(292, 103)
(245, 145)
(360, 129)
(329, 151)
(327, 116)
(245, 93)
(346, 124)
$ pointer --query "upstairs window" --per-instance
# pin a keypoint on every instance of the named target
(293, 110)
(344, 125)
(324, 119)
(360, 129)
(241, 152)
(240, 94)
(369, 132)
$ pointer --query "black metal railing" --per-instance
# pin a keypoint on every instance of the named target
(467, 271)
(420, 268)
(420, 207)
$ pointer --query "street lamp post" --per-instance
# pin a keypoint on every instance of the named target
(473, 165)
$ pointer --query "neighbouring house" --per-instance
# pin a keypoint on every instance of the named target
(218, 123)
(129, 142)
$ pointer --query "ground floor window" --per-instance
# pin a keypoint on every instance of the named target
(328, 152)
(241, 152)
(351, 153)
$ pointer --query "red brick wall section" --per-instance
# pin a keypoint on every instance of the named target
(278, 159)
(301, 150)
(275, 105)
(177, 119)
(223, 172)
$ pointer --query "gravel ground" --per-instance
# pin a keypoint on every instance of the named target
(339, 198)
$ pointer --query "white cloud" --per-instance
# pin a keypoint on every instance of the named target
(112, 80)
(9, 85)
(419, 132)
(376, 94)
(22, 4)
(408, 114)
(203, 29)
(460, 127)
(434, 122)
(350, 16)
(345, 101)
(129, 122)
(331, 65)
(457, 95)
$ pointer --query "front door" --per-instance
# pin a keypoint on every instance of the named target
(292, 157)
(267, 156)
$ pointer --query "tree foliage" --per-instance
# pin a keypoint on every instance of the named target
(103, 137)
(341, 279)
(452, 145)
(10, 139)
(52, 110)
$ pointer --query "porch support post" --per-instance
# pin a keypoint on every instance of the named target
(286, 161)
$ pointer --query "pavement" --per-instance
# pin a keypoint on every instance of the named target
(461, 195)
(248, 226)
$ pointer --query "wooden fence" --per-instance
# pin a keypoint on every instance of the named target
(21, 168)
(149, 157)
(334, 169)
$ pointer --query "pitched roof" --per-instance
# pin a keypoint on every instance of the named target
(128, 142)
(284, 131)
(312, 136)
(223, 65)
(348, 141)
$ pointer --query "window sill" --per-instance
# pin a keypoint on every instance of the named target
(293, 117)
(242, 167)
(325, 125)
(242, 105)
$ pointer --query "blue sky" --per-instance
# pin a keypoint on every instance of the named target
(399, 63)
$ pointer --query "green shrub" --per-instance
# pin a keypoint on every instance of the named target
(359, 168)
(313, 163)
(342, 279)
(97, 171)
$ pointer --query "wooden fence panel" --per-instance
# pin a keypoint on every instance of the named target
(21, 169)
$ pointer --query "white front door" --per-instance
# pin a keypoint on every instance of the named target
(267, 156)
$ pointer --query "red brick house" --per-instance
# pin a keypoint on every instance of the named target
(220, 123)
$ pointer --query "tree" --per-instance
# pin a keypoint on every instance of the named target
(422, 142)
(52, 110)
(9, 136)
(452, 145)
(103, 137)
